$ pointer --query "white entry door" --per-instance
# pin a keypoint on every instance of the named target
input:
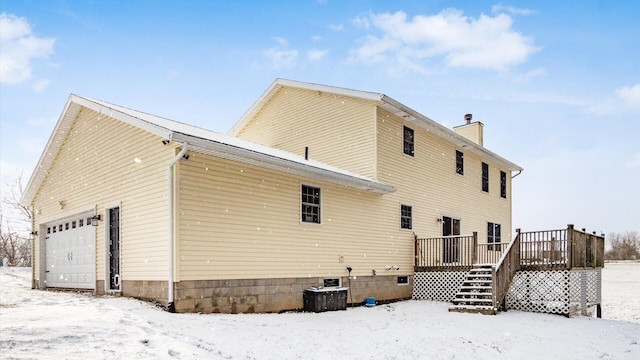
(71, 253)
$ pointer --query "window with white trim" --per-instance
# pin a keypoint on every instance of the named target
(493, 236)
(310, 204)
(503, 184)
(408, 143)
(459, 162)
(405, 217)
(485, 177)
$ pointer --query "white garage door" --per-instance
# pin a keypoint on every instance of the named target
(71, 253)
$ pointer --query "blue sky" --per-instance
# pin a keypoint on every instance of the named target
(557, 84)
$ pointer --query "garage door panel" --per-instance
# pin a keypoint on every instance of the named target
(70, 253)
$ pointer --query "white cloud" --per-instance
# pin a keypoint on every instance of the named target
(625, 99)
(40, 85)
(316, 54)
(316, 38)
(19, 47)
(485, 42)
(336, 27)
(630, 96)
(280, 56)
(499, 8)
(361, 22)
(634, 163)
(531, 74)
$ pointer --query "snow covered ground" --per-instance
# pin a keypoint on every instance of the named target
(57, 325)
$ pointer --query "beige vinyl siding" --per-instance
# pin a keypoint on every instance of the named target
(338, 130)
(97, 167)
(429, 183)
(242, 222)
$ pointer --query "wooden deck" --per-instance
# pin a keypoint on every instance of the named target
(563, 249)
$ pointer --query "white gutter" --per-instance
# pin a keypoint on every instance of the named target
(170, 303)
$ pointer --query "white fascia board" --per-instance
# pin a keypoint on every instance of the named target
(125, 115)
(426, 123)
(281, 161)
(65, 120)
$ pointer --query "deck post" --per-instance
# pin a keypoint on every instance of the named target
(599, 311)
(415, 251)
(474, 259)
(569, 246)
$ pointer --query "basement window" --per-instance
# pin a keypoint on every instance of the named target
(403, 280)
(310, 204)
(408, 144)
(331, 282)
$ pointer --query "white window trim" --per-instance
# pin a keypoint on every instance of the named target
(412, 217)
(300, 204)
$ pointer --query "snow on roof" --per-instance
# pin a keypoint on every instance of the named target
(197, 140)
(385, 102)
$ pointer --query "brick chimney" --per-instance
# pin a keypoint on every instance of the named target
(470, 130)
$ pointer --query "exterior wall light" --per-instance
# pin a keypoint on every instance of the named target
(95, 219)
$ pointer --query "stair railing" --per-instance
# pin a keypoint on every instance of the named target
(504, 271)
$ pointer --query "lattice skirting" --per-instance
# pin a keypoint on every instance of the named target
(437, 285)
(555, 291)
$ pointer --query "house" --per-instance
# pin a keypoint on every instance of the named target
(314, 186)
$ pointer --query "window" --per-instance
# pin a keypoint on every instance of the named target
(73, 224)
(331, 282)
(66, 226)
(405, 217)
(459, 162)
(310, 204)
(485, 177)
(403, 280)
(49, 230)
(503, 184)
(60, 227)
(493, 236)
(81, 222)
(408, 141)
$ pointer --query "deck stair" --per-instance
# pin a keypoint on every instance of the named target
(476, 294)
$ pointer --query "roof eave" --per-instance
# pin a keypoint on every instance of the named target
(60, 132)
(426, 123)
(277, 84)
(305, 168)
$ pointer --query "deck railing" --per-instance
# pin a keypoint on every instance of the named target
(456, 252)
(504, 270)
(561, 249)
(534, 250)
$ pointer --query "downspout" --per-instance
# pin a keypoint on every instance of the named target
(514, 176)
(171, 307)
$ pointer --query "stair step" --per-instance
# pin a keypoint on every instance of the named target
(476, 282)
(476, 287)
(486, 310)
(471, 296)
(477, 276)
(485, 301)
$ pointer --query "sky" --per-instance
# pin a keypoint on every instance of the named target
(556, 84)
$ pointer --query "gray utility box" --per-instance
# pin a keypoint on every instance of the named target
(327, 299)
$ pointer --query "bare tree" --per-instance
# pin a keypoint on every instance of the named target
(15, 242)
(14, 248)
(624, 246)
